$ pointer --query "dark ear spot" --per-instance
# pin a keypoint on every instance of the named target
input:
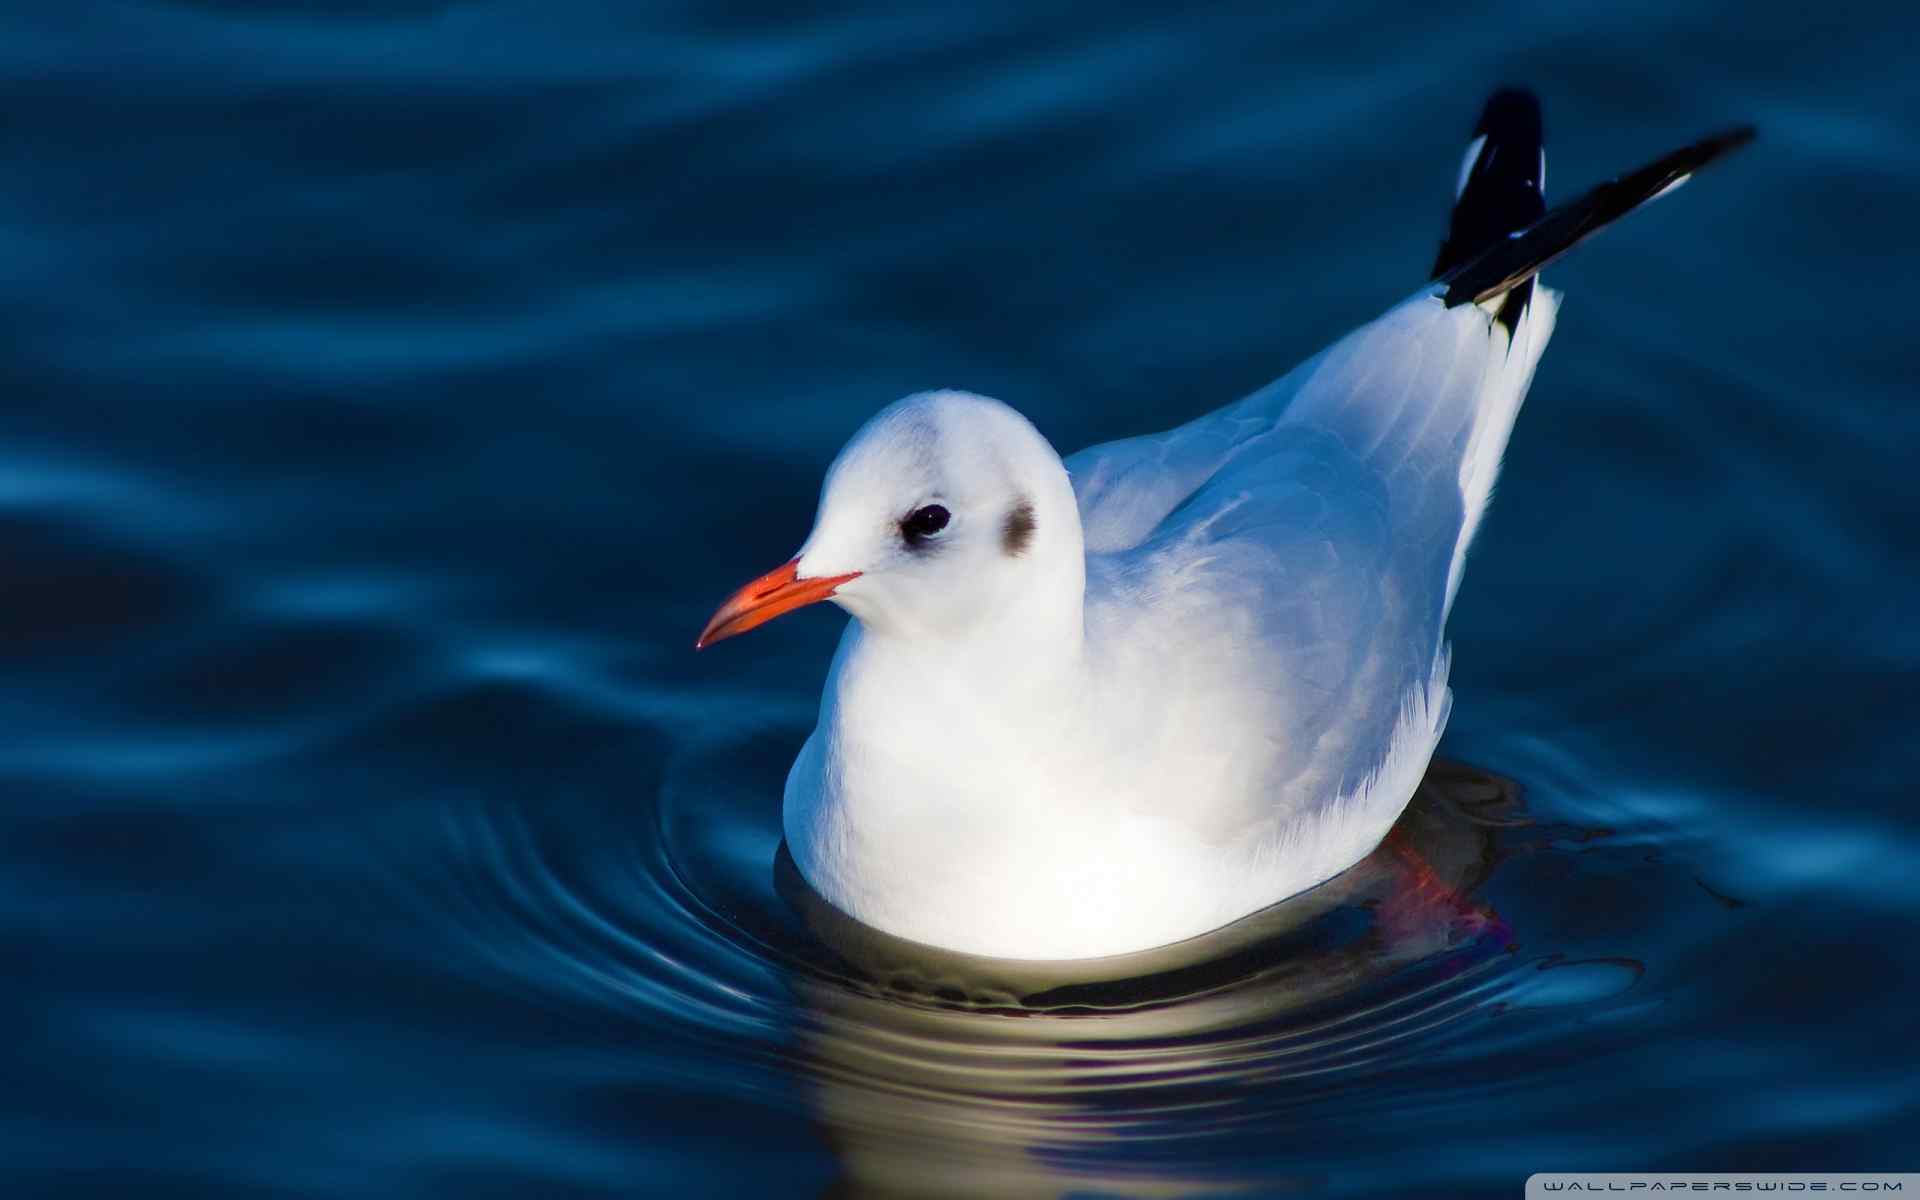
(1017, 533)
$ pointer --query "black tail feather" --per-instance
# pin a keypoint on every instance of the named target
(1501, 189)
(1501, 181)
(1512, 261)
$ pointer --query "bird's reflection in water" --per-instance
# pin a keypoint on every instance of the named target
(944, 1074)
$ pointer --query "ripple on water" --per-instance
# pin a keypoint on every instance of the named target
(987, 1074)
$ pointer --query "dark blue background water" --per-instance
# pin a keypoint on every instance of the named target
(390, 391)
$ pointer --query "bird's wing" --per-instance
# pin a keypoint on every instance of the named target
(1254, 614)
(1287, 562)
(1296, 553)
(1282, 568)
(1423, 400)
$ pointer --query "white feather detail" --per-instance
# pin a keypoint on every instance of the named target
(1466, 164)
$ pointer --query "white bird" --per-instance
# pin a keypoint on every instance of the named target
(1098, 706)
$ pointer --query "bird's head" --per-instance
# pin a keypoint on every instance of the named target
(946, 513)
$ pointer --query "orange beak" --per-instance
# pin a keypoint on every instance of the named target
(776, 592)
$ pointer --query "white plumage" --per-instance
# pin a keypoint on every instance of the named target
(1225, 698)
(1094, 707)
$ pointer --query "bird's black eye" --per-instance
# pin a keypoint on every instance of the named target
(923, 523)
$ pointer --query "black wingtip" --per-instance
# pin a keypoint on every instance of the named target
(1513, 260)
(1501, 179)
(1515, 108)
(1501, 189)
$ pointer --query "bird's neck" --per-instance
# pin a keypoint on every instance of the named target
(1023, 635)
(1029, 628)
(903, 711)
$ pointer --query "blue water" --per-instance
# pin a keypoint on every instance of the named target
(391, 391)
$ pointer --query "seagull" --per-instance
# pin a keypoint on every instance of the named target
(1102, 705)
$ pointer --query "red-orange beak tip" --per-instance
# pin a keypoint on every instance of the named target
(778, 591)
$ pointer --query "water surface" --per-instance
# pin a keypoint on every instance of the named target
(393, 389)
